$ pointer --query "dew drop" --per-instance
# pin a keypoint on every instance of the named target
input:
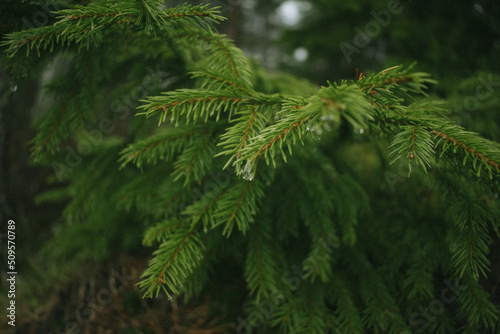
(249, 171)
(361, 131)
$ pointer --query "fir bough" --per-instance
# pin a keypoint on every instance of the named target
(321, 249)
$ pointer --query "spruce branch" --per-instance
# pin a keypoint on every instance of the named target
(423, 133)
(51, 129)
(181, 248)
(292, 127)
(191, 104)
(238, 206)
(86, 196)
(180, 253)
(351, 202)
(413, 143)
(147, 193)
(196, 159)
(72, 108)
(471, 246)
(419, 276)
(86, 25)
(215, 81)
(474, 221)
(223, 57)
(260, 265)
(477, 152)
(161, 232)
(396, 80)
(174, 261)
(330, 104)
(318, 263)
(203, 209)
(249, 123)
(344, 285)
(196, 282)
(163, 146)
(476, 307)
(347, 313)
(305, 313)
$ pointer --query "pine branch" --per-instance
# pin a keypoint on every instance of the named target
(306, 313)
(72, 108)
(381, 312)
(238, 206)
(196, 159)
(250, 123)
(394, 81)
(213, 209)
(413, 143)
(87, 25)
(238, 63)
(195, 283)
(471, 247)
(163, 146)
(330, 104)
(203, 209)
(215, 81)
(192, 104)
(319, 261)
(179, 254)
(51, 129)
(174, 261)
(476, 152)
(426, 135)
(347, 313)
(348, 288)
(351, 202)
(146, 194)
(223, 57)
(419, 277)
(476, 307)
(319, 216)
(83, 181)
(161, 232)
(260, 265)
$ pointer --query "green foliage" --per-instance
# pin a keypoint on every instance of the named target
(180, 251)
(325, 249)
(87, 25)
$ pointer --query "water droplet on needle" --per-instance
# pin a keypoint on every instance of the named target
(249, 171)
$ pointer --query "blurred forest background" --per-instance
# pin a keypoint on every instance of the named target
(457, 42)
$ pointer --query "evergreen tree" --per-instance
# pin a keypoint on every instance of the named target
(381, 221)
